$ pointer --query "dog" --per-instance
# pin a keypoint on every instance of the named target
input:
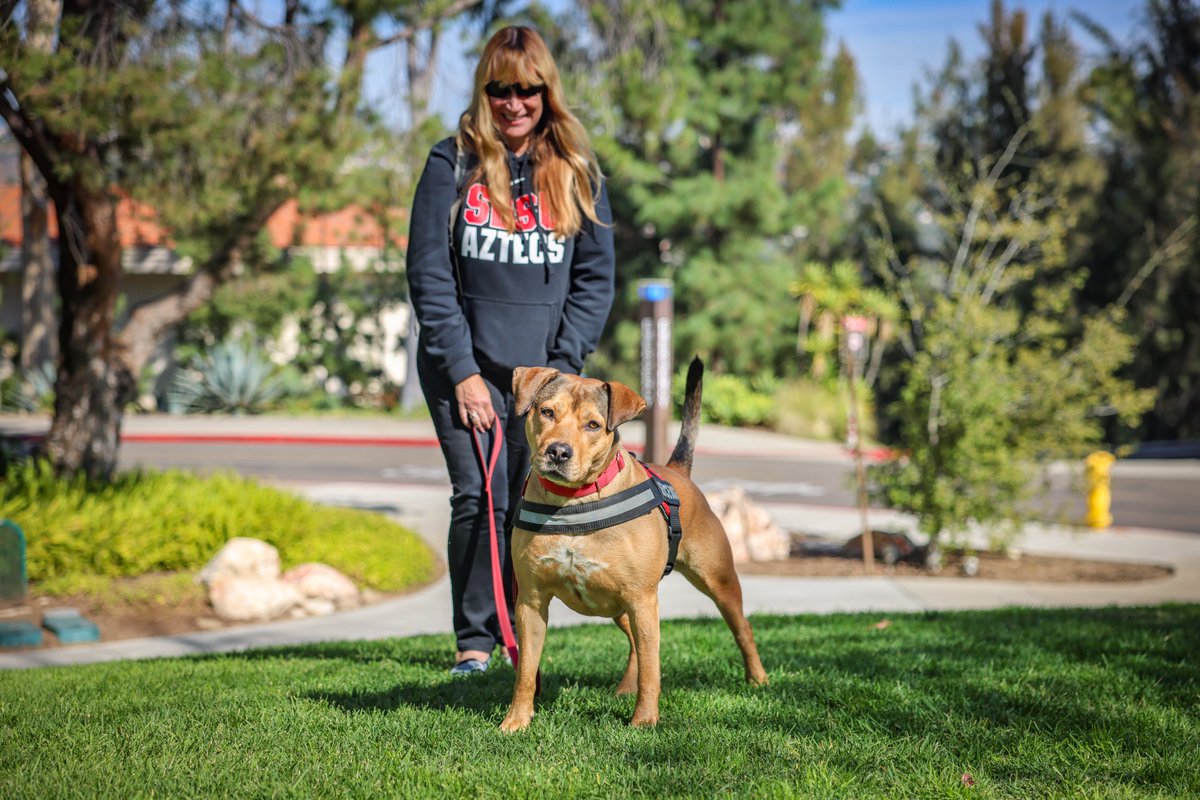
(571, 424)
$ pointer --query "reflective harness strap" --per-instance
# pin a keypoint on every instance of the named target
(652, 493)
(670, 510)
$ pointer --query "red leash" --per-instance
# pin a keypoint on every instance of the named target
(489, 466)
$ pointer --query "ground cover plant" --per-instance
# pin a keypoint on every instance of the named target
(81, 533)
(1010, 703)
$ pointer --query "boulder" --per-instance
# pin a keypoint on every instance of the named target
(314, 607)
(241, 599)
(753, 535)
(242, 557)
(323, 582)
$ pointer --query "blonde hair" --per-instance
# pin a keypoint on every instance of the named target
(566, 175)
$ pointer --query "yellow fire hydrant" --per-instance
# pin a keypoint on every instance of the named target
(1099, 482)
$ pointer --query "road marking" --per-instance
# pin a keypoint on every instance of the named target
(765, 488)
(414, 472)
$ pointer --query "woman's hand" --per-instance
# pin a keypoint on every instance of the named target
(474, 403)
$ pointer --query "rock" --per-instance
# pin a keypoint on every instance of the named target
(317, 607)
(323, 582)
(238, 599)
(753, 535)
(242, 558)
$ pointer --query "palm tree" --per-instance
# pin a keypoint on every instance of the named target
(827, 294)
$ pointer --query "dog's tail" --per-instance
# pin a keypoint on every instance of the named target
(681, 458)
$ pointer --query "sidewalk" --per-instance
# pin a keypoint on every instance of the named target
(425, 509)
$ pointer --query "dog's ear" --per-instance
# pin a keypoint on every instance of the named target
(623, 404)
(527, 382)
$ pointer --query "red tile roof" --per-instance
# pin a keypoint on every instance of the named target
(137, 223)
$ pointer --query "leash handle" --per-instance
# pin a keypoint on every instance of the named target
(489, 467)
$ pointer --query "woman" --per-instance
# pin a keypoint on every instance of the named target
(523, 277)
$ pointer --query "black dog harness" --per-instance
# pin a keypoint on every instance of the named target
(653, 493)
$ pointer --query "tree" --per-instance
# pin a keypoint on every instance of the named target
(1005, 373)
(1003, 367)
(705, 116)
(37, 268)
(215, 121)
(1146, 229)
(827, 295)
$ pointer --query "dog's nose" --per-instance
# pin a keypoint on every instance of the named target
(559, 452)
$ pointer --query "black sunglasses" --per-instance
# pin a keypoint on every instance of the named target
(501, 91)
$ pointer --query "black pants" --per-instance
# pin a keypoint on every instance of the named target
(468, 548)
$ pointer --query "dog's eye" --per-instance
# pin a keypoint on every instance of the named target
(593, 426)
(548, 413)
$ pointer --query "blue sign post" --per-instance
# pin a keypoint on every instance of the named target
(656, 315)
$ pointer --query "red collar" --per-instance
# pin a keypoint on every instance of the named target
(606, 477)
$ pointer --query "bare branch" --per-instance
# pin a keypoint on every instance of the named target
(1168, 248)
(989, 185)
(42, 149)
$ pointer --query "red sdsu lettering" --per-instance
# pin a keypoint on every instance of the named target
(479, 208)
(525, 219)
(529, 211)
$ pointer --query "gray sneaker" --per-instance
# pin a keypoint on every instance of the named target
(469, 666)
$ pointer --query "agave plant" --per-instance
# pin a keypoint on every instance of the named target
(30, 390)
(233, 378)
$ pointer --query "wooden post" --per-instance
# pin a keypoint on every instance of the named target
(855, 328)
(656, 316)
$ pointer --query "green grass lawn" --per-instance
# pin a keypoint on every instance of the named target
(1062, 703)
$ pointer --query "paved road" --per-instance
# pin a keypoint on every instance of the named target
(1149, 494)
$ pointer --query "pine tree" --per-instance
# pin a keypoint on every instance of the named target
(720, 125)
(1146, 249)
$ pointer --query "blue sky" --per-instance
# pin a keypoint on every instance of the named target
(894, 43)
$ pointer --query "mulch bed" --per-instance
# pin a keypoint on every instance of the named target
(1026, 568)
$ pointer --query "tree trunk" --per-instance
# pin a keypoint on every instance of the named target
(37, 268)
(91, 386)
(38, 346)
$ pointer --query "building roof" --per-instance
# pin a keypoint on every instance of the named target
(137, 223)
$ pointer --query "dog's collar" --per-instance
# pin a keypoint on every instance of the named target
(606, 477)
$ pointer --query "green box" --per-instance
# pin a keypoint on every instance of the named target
(20, 634)
(72, 630)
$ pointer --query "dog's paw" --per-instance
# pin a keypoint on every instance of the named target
(757, 679)
(646, 720)
(515, 722)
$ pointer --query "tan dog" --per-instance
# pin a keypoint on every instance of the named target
(613, 572)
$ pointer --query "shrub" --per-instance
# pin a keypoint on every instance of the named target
(172, 521)
(820, 410)
(731, 400)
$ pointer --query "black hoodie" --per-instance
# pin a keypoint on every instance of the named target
(527, 298)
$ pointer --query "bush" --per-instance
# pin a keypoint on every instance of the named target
(172, 521)
(730, 400)
(820, 410)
